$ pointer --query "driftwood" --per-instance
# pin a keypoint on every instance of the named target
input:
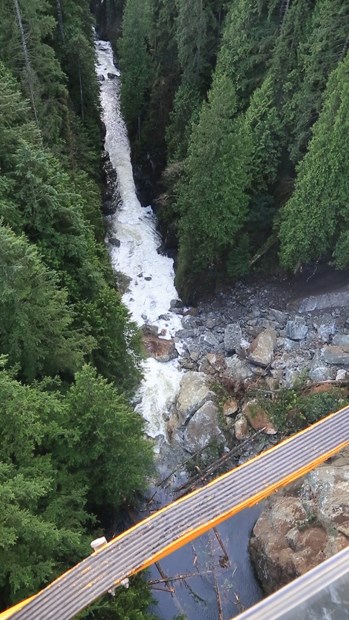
(176, 578)
(210, 469)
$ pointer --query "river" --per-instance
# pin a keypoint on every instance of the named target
(213, 581)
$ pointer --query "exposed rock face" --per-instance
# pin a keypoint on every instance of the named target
(303, 526)
(160, 349)
(203, 429)
(262, 348)
(258, 418)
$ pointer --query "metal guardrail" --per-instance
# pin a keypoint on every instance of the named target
(299, 592)
(184, 520)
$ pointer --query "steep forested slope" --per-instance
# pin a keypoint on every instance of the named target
(277, 68)
(72, 450)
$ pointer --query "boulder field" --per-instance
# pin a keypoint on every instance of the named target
(263, 337)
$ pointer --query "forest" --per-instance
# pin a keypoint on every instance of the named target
(242, 108)
(238, 114)
(72, 450)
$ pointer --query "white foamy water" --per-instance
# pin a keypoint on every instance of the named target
(151, 287)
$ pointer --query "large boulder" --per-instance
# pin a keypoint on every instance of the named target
(258, 418)
(202, 429)
(302, 526)
(194, 392)
(232, 338)
(261, 350)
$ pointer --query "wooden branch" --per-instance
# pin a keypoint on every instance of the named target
(176, 578)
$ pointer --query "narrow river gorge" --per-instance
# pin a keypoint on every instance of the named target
(133, 242)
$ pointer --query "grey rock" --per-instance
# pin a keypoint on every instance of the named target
(237, 369)
(194, 392)
(232, 338)
(291, 376)
(339, 356)
(325, 327)
(341, 375)
(114, 242)
(176, 303)
(277, 315)
(208, 340)
(297, 329)
(190, 322)
(212, 364)
(321, 373)
(203, 428)
(341, 340)
(112, 76)
(339, 299)
(262, 348)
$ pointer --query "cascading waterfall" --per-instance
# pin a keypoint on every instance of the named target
(148, 298)
(151, 275)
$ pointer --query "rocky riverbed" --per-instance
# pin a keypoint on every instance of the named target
(253, 335)
(268, 336)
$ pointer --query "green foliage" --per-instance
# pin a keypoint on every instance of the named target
(43, 513)
(129, 604)
(264, 126)
(324, 47)
(117, 354)
(249, 37)
(213, 205)
(35, 319)
(116, 457)
(43, 79)
(316, 219)
(68, 439)
(135, 61)
(292, 410)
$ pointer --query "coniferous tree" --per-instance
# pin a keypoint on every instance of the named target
(212, 196)
(316, 219)
(135, 62)
(25, 30)
(36, 327)
(326, 45)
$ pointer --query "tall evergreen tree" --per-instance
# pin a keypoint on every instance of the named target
(325, 46)
(316, 219)
(135, 62)
(212, 195)
(26, 30)
(36, 322)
